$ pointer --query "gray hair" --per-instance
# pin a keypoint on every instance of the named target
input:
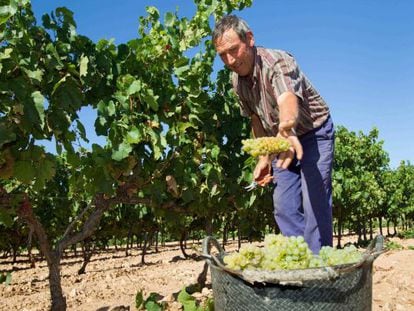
(231, 22)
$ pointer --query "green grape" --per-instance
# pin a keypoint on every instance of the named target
(332, 256)
(265, 145)
(248, 257)
(283, 253)
(316, 262)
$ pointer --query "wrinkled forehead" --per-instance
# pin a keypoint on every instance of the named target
(228, 38)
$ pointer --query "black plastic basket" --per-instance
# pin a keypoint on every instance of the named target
(339, 288)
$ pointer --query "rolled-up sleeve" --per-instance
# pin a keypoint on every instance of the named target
(287, 77)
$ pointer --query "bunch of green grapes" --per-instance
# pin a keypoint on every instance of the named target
(265, 145)
(333, 256)
(283, 253)
(249, 257)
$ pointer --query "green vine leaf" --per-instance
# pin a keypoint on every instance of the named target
(39, 101)
(24, 171)
(122, 152)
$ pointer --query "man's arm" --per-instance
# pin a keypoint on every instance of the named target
(288, 114)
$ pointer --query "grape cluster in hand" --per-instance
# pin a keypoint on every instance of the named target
(285, 253)
(265, 145)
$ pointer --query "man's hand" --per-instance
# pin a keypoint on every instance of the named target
(286, 130)
(262, 172)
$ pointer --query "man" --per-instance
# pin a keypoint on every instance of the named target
(281, 101)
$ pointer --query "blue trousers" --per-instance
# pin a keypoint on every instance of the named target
(302, 196)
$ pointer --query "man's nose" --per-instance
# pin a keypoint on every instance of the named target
(229, 60)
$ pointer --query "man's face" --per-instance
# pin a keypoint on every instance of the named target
(236, 54)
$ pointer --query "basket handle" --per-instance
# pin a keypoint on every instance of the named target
(208, 242)
(376, 248)
(377, 244)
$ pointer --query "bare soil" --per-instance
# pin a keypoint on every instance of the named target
(112, 280)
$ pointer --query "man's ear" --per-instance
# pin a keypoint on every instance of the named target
(250, 38)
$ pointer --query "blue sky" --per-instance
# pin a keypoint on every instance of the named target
(358, 53)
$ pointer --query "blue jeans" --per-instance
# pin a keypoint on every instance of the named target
(302, 196)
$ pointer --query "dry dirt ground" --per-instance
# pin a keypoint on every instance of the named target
(112, 280)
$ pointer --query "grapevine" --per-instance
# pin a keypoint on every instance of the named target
(265, 145)
(287, 253)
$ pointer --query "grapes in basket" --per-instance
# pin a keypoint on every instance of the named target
(284, 253)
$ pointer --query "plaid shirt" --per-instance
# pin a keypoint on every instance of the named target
(274, 73)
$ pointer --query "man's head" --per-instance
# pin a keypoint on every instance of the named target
(234, 43)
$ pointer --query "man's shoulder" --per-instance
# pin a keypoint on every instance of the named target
(270, 57)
